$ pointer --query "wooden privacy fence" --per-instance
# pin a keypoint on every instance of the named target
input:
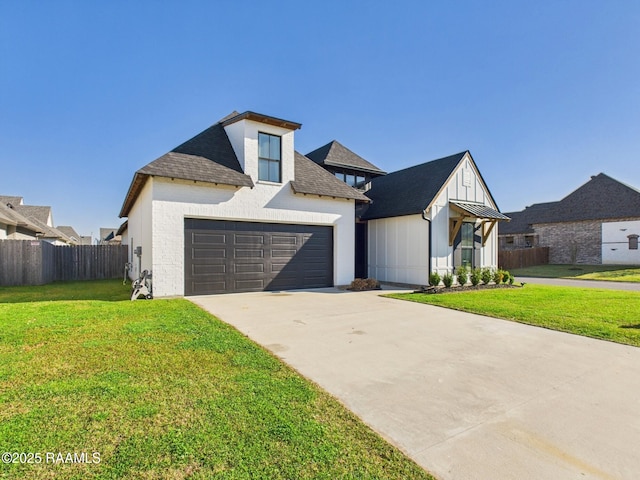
(523, 257)
(34, 262)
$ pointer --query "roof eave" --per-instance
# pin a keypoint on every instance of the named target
(259, 117)
(331, 163)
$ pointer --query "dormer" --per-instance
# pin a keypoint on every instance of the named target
(264, 146)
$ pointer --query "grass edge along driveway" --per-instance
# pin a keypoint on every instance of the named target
(603, 314)
(162, 389)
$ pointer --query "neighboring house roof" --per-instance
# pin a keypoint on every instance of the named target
(50, 232)
(601, 198)
(4, 199)
(6, 217)
(521, 221)
(20, 220)
(70, 232)
(411, 190)
(312, 179)
(86, 240)
(40, 213)
(207, 157)
(335, 154)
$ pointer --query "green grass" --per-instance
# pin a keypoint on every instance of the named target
(615, 273)
(161, 389)
(605, 314)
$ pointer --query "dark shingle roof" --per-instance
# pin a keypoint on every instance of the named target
(521, 221)
(337, 155)
(207, 157)
(411, 190)
(601, 198)
(314, 180)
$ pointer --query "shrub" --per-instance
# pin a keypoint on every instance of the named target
(505, 276)
(447, 279)
(434, 279)
(372, 283)
(360, 284)
(476, 276)
(497, 276)
(511, 279)
(462, 275)
(486, 275)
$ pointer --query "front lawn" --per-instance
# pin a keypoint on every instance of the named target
(161, 389)
(615, 273)
(606, 314)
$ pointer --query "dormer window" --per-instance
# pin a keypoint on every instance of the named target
(269, 158)
(353, 179)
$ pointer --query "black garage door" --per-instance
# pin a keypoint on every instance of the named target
(224, 256)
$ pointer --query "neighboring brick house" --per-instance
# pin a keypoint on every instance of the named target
(598, 223)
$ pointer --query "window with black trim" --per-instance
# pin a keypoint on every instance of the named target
(633, 242)
(269, 158)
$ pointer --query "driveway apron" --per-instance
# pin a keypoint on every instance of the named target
(465, 396)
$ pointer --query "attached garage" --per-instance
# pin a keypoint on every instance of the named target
(224, 256)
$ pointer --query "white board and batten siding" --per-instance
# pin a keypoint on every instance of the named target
(399, 246)
(399, 249)
(615, 243)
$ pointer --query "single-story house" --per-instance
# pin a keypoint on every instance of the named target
(236, 209)
(598, 223)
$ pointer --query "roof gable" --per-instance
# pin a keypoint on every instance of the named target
(411, 190)
(314, 180)
(5, 199)
(337, 155)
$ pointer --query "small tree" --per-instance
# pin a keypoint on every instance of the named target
(486, 275)
(462, 275)
(447, 279)
(476, 276)
(434, 279)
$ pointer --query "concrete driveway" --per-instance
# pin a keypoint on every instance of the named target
(466, 396)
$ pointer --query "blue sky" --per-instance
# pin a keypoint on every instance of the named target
(544, 94)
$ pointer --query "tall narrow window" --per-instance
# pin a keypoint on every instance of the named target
(467, 244)
(633, 242)
(269, 155)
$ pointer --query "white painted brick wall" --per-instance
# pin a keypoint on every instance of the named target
(175, 200)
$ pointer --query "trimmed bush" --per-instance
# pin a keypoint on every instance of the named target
(447, 279)
(497, 276)
(505, 276)
(462, 275)
(475, 277)
(511, 279)
(486, 275)
(434, 279)
(372, 283)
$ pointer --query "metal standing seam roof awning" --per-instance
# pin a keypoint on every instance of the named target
(489, 216)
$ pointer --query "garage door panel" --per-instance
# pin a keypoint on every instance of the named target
(226, 256)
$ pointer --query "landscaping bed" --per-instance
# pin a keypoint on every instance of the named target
(465, 288)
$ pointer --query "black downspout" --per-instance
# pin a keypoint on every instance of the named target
(430, 250)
